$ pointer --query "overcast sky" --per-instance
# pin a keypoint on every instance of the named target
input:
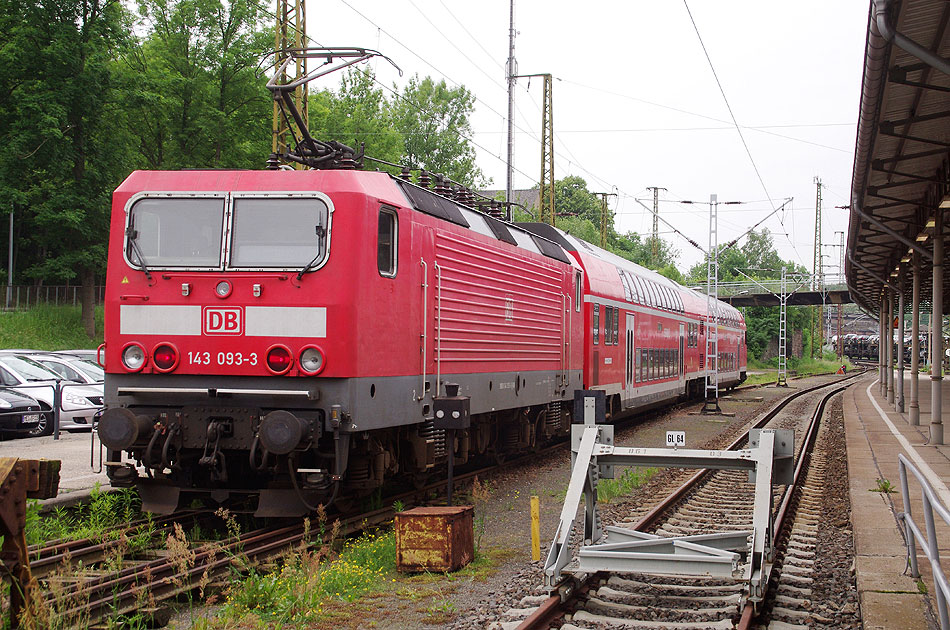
(636, 103)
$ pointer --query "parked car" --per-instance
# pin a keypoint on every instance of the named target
(79, 402)
(69, 367)
(19, 414)
(85, 353)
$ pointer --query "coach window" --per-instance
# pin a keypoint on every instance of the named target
(578, 290)
(596, 324)
(616, 326)
(386, 243)
(279, 232)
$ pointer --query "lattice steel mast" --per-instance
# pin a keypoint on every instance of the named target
(711, 404)
(817, 279)
(655, 244)
(606, 217)
(290, 33)
(547, 152)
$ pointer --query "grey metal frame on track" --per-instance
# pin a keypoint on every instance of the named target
(929, 542)
(769, 460)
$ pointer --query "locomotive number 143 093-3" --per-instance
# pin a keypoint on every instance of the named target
(222, 358)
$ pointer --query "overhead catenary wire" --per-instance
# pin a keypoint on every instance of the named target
(728, 107)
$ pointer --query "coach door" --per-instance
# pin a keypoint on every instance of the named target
(681, 362)
(629, 356)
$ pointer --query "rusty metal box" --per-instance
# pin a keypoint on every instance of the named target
(434, 538)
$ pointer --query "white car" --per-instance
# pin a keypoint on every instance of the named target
(69, 367)
(79, 402)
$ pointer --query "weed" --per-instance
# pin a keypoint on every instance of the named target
(629, 480)
(310, 576)
(481, 493)
(398, 506)
(885, 486)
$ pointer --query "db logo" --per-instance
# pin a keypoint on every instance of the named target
(223, 321)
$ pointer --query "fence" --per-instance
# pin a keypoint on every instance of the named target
(928, 543)
(24, 297)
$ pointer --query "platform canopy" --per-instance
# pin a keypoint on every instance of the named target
(902, 154)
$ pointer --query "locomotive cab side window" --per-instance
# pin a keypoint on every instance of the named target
(578, 293)
(386, 243)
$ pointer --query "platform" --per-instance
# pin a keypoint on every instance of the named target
(876, 435)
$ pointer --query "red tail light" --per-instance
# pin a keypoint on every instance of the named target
(279, 359)
(165, 357)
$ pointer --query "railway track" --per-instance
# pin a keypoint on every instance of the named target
(143, 581)
(711, 501)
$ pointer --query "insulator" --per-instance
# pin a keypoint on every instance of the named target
(440, 187)
(405, 174)
(424, 179)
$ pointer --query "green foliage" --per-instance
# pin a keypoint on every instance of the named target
(357, 114)
(100, 517)
(194, 97)
(434, 122)
(47, 328)
(298, 591)
(628, 480)
(60, 152)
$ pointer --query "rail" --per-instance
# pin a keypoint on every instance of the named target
(931, 504)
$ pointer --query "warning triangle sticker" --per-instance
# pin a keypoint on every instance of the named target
(125, 280)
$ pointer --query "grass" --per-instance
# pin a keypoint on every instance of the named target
(47, 328)
(797, 366)
(309, 579)
(628, 481)
(100, 517)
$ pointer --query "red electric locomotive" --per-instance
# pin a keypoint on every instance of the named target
(283, 333)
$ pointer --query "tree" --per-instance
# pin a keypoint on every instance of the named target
(572, 199)
(357, 114)
(434, 122)
(60, 156)
(194, 90)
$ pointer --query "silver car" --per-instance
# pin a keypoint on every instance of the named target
(79, 402)
(69, 367)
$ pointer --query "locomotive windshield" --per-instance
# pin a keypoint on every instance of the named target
(166, 232)
(266, 232)
(284, 233)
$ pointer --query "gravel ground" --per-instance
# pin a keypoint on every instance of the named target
(505, 573)
(834, 584)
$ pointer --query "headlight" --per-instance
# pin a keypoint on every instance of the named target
(133, 357)
(311, 360)
(73, 400)
(222, 289)
(5, 404)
